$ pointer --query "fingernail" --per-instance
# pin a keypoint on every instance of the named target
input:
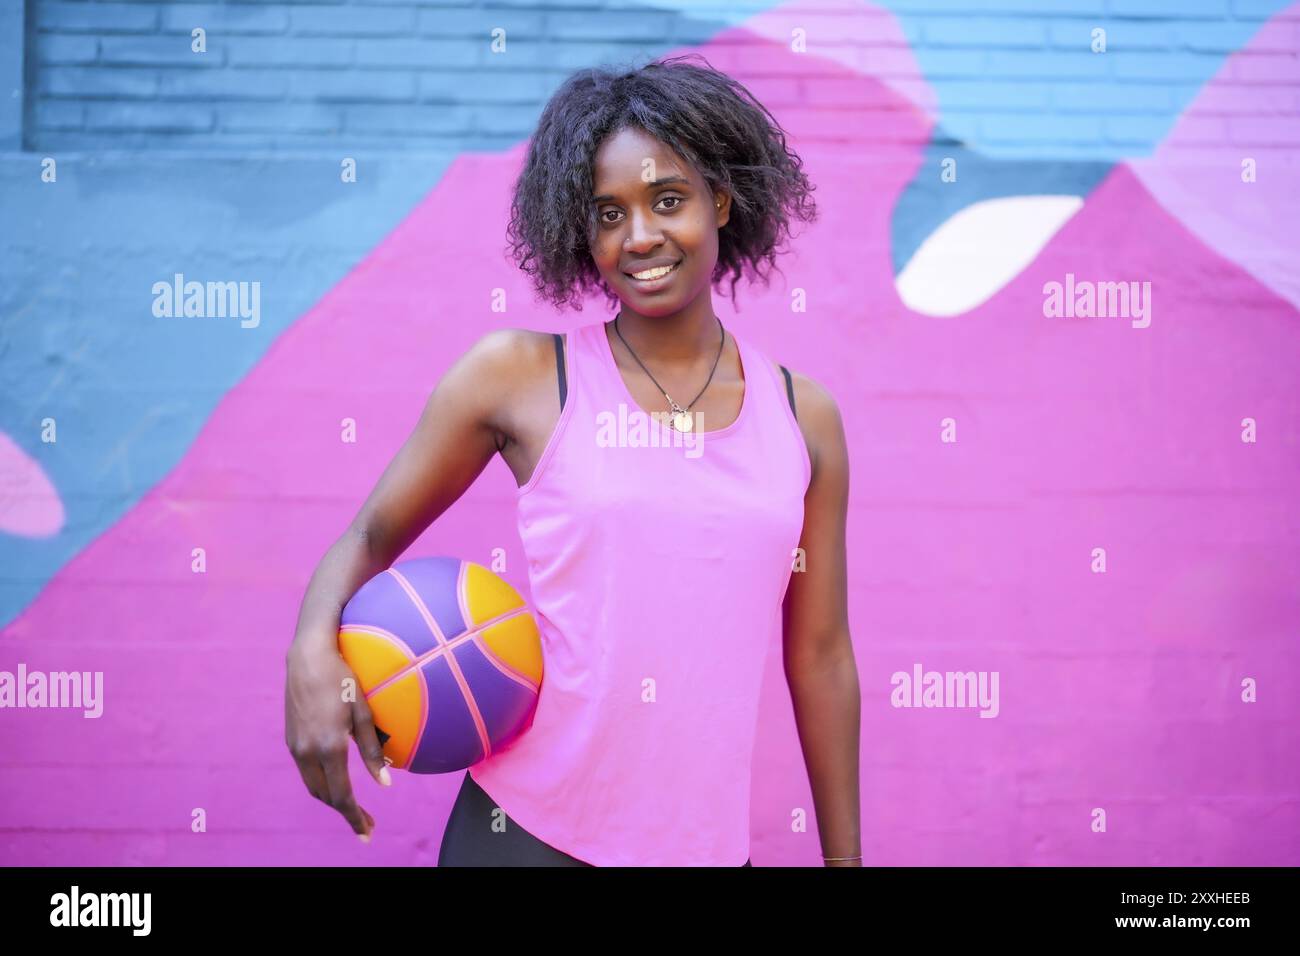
(363, 837)
(385, 777)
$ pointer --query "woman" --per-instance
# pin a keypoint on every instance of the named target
(662, 556)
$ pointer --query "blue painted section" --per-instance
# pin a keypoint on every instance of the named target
(11, 74)
(130, 391)
(397, 74)
(1018, 78)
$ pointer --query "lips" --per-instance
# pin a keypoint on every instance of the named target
(651, 285)
(650, 264)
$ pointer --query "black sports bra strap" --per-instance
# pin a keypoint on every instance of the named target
(559, 368)
(789, 386)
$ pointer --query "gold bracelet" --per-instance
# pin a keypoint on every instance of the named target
(833, 858)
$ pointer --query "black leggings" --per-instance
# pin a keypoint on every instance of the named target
(469, 839)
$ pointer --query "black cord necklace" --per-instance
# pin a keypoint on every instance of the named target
(680, 417)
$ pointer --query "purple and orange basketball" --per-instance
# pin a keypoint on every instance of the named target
(449, 658)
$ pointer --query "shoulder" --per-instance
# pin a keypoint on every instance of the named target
(511, 349)
(819, 419)
(510, 363)
(502, 370)
(508, 373)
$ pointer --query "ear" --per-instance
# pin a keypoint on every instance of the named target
(722, 208)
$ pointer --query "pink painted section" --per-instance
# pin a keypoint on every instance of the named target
(1247, 111)
(30, 505)
(865, 39)
(1118, 691)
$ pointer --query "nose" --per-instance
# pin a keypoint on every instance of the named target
(642, 235)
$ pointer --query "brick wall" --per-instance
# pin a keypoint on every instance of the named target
(276, 74)
(1122, 690)
(1011, 75)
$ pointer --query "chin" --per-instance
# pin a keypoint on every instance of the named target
(653, 308)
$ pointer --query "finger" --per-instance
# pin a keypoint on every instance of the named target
(313, 774)
(340, 789)
(372, 753)
(304, 757)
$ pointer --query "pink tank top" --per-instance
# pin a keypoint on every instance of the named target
(657, 572)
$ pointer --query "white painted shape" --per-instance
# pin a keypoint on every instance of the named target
(979, 250)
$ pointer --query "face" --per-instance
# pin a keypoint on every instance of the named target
(654, 209)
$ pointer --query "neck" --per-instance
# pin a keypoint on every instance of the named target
(681, 337)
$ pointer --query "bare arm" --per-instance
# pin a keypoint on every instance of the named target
(820, 668)
(456, 436)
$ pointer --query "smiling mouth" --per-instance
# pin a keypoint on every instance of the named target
(653, 275)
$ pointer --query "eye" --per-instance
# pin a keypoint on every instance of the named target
(609, 222)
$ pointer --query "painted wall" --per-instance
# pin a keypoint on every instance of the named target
(1169, 159)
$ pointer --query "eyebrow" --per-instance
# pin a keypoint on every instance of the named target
(663, 181)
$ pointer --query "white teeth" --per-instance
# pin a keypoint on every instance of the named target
(654, 273)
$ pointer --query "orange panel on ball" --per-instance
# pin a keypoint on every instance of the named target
(398, 710)
(516, 643)
(486, 595)
(373, 656)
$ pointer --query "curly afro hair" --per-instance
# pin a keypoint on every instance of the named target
(707, 118)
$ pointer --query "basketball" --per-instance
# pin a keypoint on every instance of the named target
(449, 658)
